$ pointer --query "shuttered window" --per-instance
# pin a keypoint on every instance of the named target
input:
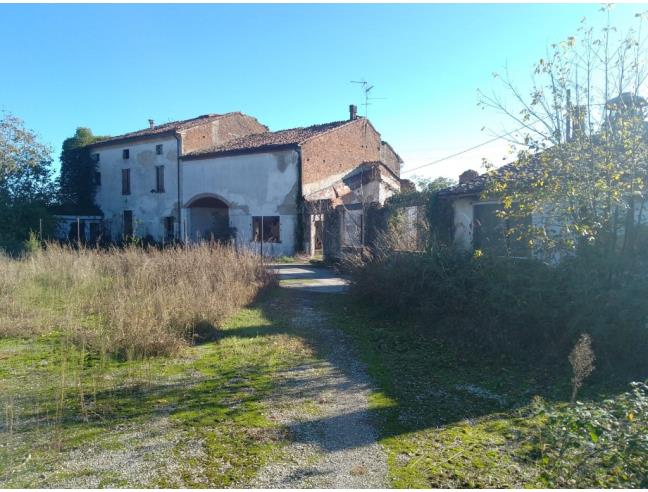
(126, 183)
(159, 179)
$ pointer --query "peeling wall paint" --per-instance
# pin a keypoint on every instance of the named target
(263, 184)
(149, 209)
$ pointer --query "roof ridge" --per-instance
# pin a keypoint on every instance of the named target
(287, 137)
(342, 123)
(167, 127)
(310, 126)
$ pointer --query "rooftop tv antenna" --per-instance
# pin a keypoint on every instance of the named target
(366, 89)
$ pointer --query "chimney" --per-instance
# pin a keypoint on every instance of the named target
(151, 123)
(468, 176)
(353, 112)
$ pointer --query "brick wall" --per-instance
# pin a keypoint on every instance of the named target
(219, 131)
(390, 158)
(339, 150)
(237, 125)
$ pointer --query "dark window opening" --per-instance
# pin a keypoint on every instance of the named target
(126, 182)
(353, 223)
(159, 179)
(128, 223)
(95, 157)
(95, 232)
(168, 227)
(97, 178)
(269, 226)
(76, 232)
(499, 236)
(126, 154)
(158, 149)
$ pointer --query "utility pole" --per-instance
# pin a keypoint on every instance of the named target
(78, 232)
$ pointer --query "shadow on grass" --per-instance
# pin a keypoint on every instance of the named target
(423, 382)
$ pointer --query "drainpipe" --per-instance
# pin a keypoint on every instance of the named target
(300, 200)
(179, 143)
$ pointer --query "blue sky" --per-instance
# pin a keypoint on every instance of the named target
(111, 67)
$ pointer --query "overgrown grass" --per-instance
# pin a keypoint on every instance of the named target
(193, 419)
(126, 368)
(453, 418)
(128, 302)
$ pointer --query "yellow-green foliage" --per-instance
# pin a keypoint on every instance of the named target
(126, 301)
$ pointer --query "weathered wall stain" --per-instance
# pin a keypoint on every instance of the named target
(289, 204)
(146, 157)
(283, 161)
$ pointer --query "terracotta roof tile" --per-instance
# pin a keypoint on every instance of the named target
(269, 140)
(169, 127)
(507, 171)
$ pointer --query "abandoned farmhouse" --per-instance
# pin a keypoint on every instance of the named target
(226, 176)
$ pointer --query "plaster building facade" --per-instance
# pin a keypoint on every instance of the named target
(227, 177)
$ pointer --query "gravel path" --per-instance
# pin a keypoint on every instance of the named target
(325, 407)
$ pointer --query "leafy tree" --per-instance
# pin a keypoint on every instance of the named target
(436, 184)
(582, 164)
(77, 181)
(25, 185)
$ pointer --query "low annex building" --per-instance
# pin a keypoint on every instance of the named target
(227, 177)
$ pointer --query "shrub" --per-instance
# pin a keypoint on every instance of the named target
(597, 445)
(519, 308)
(582, 362)
(129, 301)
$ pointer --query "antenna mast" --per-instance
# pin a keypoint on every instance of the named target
(366, 89)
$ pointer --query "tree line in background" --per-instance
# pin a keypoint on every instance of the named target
(26, 185)
(28, 188)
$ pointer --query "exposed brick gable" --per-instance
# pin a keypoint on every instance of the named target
(219, 131)
(342, 149)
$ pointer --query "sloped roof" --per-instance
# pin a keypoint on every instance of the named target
(165, 128)
(478, 185)
(269, 140)
(473, 186)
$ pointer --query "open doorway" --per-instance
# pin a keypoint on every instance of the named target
(209, 219)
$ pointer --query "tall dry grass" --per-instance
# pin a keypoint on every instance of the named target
(126, 301)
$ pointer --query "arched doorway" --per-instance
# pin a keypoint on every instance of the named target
(208, 219)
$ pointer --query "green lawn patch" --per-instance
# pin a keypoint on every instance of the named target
(448, 418)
